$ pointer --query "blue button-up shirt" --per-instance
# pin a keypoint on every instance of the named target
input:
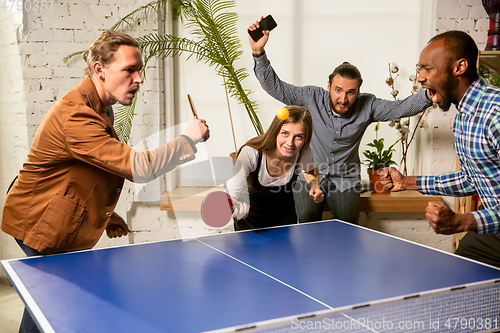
(336, 138)
(477, 142)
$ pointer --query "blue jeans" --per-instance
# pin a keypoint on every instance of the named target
(28, 325)
(344, 206)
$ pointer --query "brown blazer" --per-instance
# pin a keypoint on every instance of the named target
(69, 186)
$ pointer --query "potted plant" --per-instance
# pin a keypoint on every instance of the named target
(377, 160)
(407, 132)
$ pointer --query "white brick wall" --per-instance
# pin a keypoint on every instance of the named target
(33, 77)
(466, 15)
(13, 129)
(410, 226)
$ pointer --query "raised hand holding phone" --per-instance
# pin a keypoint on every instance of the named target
(265, 24)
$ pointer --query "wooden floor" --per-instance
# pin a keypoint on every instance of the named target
(11, 307)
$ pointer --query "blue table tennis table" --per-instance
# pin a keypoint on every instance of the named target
(314, 277)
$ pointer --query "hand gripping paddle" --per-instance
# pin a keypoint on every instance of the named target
(216, 209)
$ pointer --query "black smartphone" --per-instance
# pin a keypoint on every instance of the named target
(267, 23)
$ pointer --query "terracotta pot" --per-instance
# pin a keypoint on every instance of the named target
(375, 183)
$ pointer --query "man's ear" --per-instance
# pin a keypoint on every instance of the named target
(460, 67)
(98, 69)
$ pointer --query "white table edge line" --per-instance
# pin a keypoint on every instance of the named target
(38, 315)
(422, 245)
(266, 274)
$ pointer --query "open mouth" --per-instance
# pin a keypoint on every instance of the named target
(433, 93)
(133, 92)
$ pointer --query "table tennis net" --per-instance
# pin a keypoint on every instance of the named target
(471, 308)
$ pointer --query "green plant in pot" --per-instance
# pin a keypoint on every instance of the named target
(488, 76)
(378, 159)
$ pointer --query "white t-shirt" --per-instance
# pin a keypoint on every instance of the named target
(247, 163)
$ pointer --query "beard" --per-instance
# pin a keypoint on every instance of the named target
(447, 92)
(445, 103)
(343, 112)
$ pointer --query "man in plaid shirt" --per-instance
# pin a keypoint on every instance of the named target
(448, 70)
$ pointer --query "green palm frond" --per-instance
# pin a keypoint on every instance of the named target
(124, 114)
(66, 58)
(214, 41)
(144, 14)
(217, 29)
(163, 46)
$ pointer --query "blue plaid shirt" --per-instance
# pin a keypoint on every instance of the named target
(477, 142)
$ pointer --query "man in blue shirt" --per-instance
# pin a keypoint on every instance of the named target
(448, 70)
(340, 116)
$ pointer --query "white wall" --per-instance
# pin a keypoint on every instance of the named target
(13, 123)
(33, 76)
(312, 37)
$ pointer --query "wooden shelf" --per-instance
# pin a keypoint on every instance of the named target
(190, 199)
(490, 59)
(185, 199)
(407, 201)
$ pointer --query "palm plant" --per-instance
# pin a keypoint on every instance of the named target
(214, 42)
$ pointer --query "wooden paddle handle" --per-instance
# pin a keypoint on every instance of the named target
(191, 105)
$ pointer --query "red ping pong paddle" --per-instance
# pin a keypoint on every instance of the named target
(216, 209)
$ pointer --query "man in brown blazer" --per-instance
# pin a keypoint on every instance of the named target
(65, 194)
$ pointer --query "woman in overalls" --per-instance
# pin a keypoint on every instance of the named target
(266, 169)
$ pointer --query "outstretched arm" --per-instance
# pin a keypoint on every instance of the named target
(394, 181)
(237, 186)
(384, 110)
(440, 217)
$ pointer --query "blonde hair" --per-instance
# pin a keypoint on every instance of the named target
(104, 48)
(267, 140)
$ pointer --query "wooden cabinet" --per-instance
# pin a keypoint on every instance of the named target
(490, 59)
